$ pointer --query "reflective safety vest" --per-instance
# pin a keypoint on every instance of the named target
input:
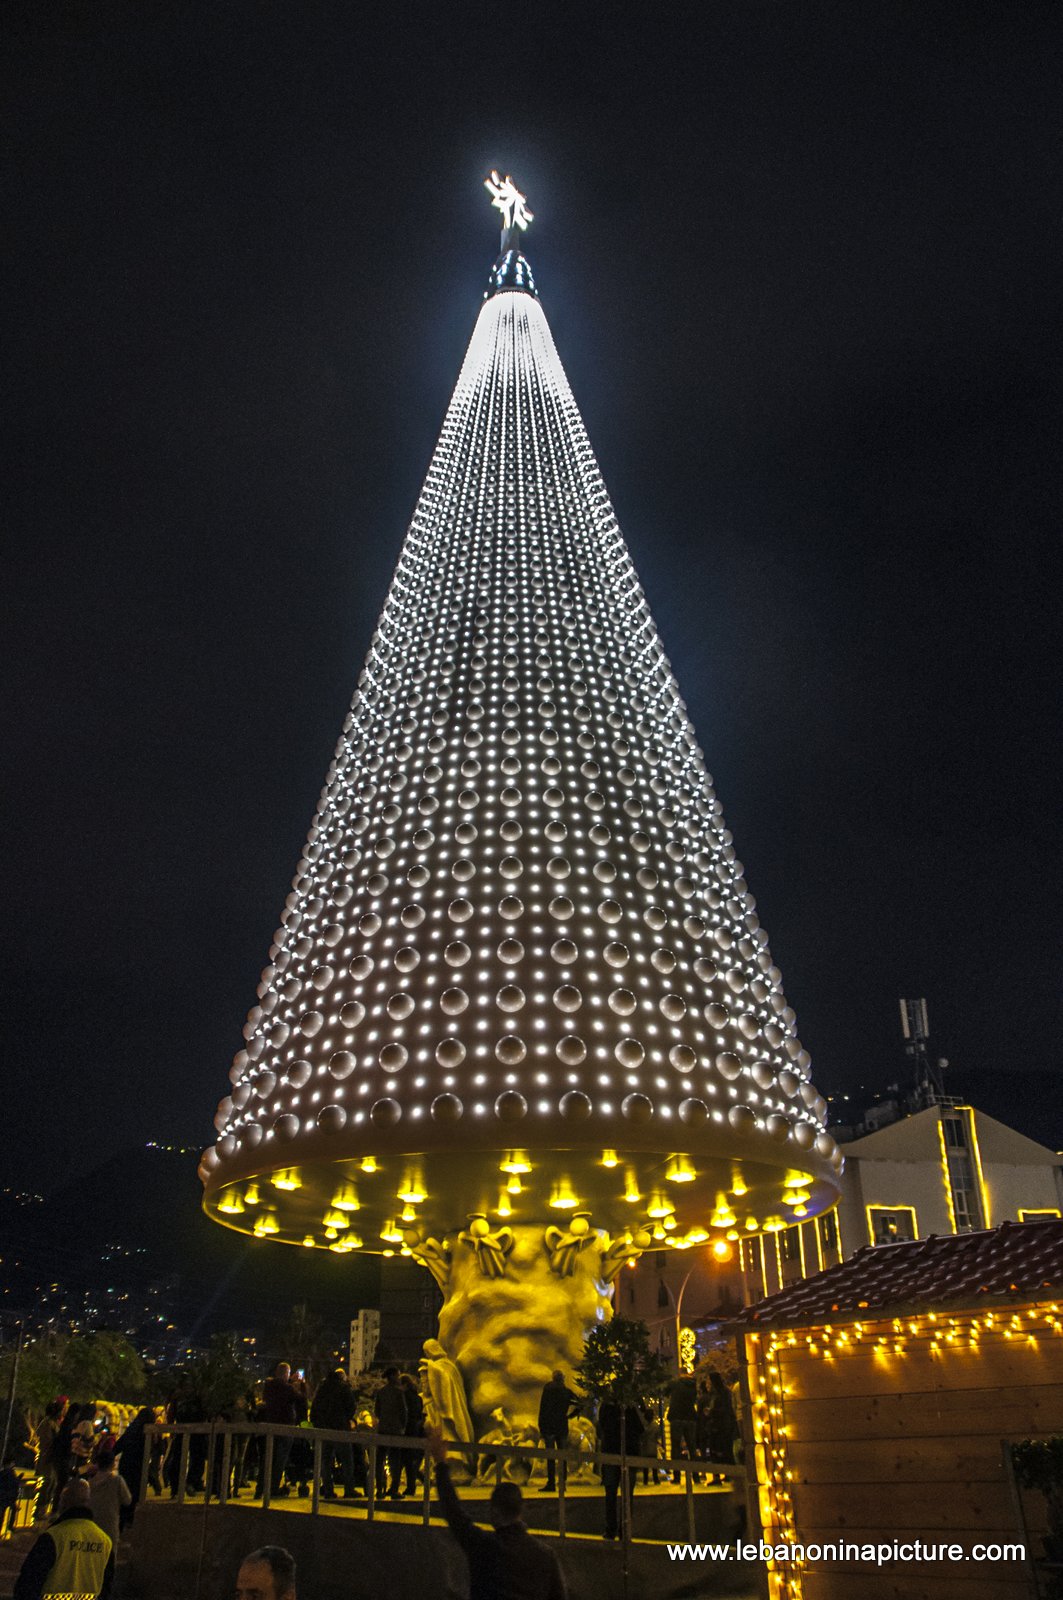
(82, 1553)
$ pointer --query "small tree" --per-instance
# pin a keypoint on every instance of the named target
(208, 1385)
(223, 1375)
(306, 1342)
(1038, 1464)
(90, 1366)
(619, 1366)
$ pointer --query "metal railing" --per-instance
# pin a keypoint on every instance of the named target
(485, 1460)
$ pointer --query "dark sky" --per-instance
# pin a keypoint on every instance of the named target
(802, 262)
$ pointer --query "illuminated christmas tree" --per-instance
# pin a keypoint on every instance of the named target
(519, 1018)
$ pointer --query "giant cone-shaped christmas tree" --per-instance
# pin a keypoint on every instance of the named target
(519, 1018)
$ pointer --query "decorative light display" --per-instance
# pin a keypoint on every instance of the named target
(519, 976)
(507, 198)
(774, 1377)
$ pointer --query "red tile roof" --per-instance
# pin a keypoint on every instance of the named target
(1017, 1261)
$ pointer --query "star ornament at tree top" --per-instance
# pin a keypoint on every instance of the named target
(508, 199)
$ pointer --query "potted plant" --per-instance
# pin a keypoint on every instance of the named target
(1038, 1464)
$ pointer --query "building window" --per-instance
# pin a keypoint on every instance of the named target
(959, 1146)
(1036, 1216)
(753, 1267)
(955, 1133)
(788, 1245)
(890, 1224)
(663, 1297)
(828, 1231)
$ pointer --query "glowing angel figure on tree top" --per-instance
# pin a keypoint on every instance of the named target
(507, 198)
(519, 1018)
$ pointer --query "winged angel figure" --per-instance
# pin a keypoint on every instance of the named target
(508, 199)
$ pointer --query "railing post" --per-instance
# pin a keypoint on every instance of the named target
(184, 1447)
(315, 1487)
(626, 1498)
(208, 1470)
(226, 1467)
(267, 1469)
(426, 1488)
(562, 1480)
(370, 1488)
(689, 1477)
(145, 1465)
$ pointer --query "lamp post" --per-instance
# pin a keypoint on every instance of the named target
(677, 1302)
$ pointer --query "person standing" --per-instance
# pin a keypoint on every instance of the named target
(556, 1404)
(619, 1434)
(734, 1389)
(239, 1412)
(506, 1563)
(47, 1438)
(280, 1405)
(83, 1437)
(683, 1419)
(73, 1557)
(10, 1489)
(414, 1429)
(109, 1496)
(301, 1454)
(389, 1409)
(722, 1429)
(650, 1444)
(62, 1453)
(130, 1452)
(333, 1407)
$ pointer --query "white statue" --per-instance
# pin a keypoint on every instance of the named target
(444, 1395)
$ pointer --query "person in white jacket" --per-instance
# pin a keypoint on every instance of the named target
(108, 1493)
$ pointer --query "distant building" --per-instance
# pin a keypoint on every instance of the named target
(948, 1169)
(365, 1336)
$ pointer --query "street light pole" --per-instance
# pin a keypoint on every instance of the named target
(12, 1387)
(678, 1320)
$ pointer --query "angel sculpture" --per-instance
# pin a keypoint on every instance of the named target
(491, 1248)
(507, 198)
(564, 1246)
(431, 1254)
(624, 1247)
(512, 1469)
(583, 1443)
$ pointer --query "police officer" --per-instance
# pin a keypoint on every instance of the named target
(73, 1558)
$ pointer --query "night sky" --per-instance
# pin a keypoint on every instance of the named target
(802, 263)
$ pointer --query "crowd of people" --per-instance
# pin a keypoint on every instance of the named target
(396, 1410)
(73, 1443)
(89, 1479)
